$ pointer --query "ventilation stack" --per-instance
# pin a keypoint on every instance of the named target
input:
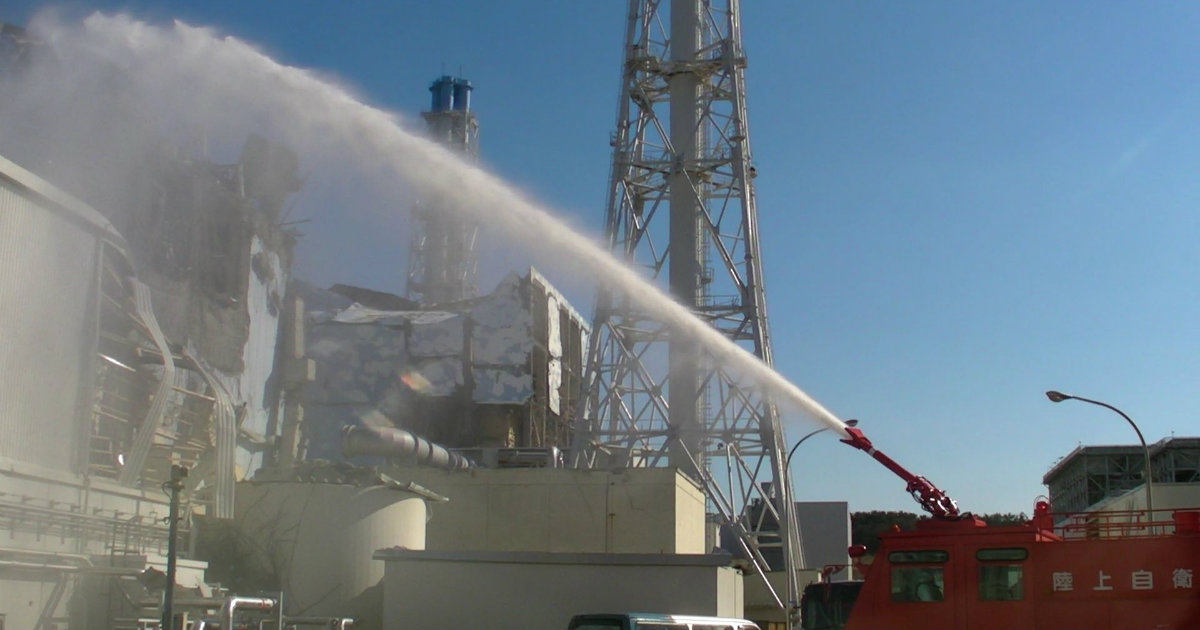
(443, 263)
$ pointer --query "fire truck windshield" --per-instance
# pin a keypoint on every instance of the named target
(827, 606)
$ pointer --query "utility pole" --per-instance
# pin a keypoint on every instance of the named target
(682, 208)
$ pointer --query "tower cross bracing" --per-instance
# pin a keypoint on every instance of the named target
(681, 207)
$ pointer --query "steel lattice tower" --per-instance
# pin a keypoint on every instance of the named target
(443, 262)
(681, 206)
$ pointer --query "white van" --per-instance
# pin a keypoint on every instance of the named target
(654, 621)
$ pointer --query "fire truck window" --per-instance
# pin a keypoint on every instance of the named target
(918, 584)
(1015, 553)
(1001, 582)
(924, 556)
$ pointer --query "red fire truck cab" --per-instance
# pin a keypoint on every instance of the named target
(1116, 570)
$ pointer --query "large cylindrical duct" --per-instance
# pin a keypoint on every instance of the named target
(442, 92)
(321, 536)
(398, 444)
(462, 95)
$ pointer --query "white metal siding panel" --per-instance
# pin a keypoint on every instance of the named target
(46, 269)
(554, 350)
(263, 297)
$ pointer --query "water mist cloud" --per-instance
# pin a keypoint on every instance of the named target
(185, 78)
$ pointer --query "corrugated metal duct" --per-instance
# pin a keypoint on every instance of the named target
(131, 474)
(226, 441)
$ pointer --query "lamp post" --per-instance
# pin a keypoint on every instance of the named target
(787, 462)
(174, 486)
(1059, 397)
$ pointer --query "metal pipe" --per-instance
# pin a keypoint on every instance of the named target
(91, 522)
(234, 603)
(338, 623)
(399, 444)
(35, 566)
(71, 557)
(144, 439)
(69, 568)
(225, 441)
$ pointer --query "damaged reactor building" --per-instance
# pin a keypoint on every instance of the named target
(160, 330)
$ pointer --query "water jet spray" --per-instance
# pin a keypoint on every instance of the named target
(194, 66)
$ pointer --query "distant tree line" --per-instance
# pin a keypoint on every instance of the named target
(865, 527)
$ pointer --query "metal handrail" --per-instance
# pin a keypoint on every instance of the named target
(1118, 524)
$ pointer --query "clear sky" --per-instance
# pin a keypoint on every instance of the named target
(962, 204)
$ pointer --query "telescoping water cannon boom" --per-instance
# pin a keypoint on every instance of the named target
(932, 499)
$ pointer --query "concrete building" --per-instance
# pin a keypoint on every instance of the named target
(825, 540)
(639, 511)
(1100, 491)
(130, 351)
(824, 530)
(71, 403)
(159, 332)
(825, 534)
(1091, 476)
(534, 546)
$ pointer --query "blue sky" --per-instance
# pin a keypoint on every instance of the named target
(963, 204)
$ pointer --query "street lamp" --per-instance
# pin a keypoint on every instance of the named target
(787, 463)
(174, 486)
(787, 470)
(1059, 397)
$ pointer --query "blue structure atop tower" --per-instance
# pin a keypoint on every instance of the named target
(449, 93)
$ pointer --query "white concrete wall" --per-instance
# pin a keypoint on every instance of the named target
(1167, 498)
(534, 591)
(825, 532)
(55, 519)
(563, 510)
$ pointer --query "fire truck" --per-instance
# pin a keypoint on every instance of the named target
(1093, 570)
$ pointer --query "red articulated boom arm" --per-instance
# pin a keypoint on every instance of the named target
(932, 499)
